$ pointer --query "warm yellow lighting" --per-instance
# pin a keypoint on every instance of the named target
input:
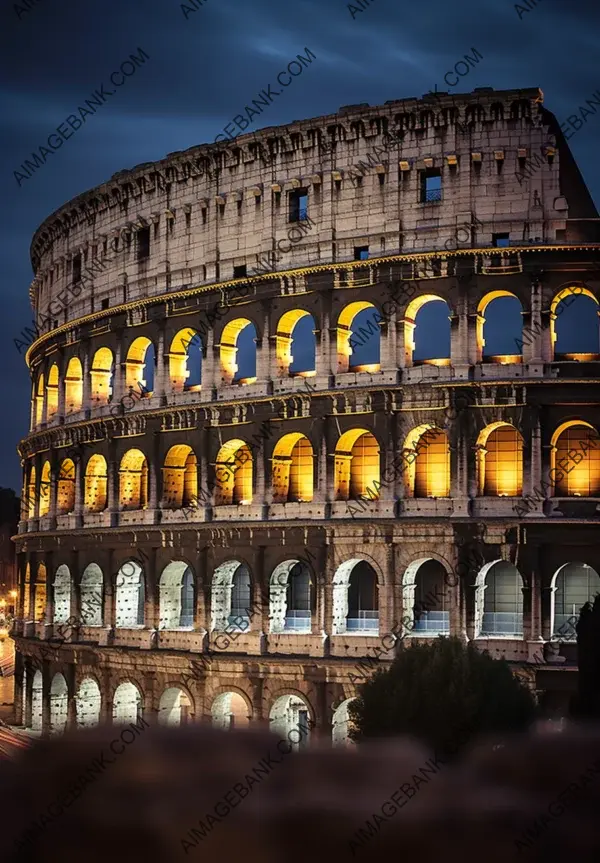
(228, 348)
(31, 493)
(73, 386)
(245, 381)
(52, 393)
(100, 376)
(133, 480)
(179, 357)
(180, 477)
(13, 593)
(480, 324)
(284, 338)
(344, 333)
(505, 359)
(233, 470)
(135, 362)
(40, 593)
(575, 460)
(65, 499)
(292, 469)
(96, 480)
(500, 461)
(410, 321)
(357, 465)
(45, 485)
(39, 400)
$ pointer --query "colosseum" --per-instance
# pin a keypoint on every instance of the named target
(301, 396)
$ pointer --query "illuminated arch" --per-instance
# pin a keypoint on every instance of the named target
(88, 702)
(176, 596)
(233, 470)
(499, 601)
(174, 707)
(572, 585)
(427, 472)
(230, 710)
(127, 704)
(96, 484)
(59, 700)
(133, 480)
(179, 359)
(31, 492)
(228, 349)
(345, 335)
(180, 477)
(505, 358)
(355, 598)
(410, 326)
(73, 386)
(39, 399)
(101, 374)
(139, 365)
(52, 393)
(65, 497)
(293, 469)
(500, 461)
(91, 595)
(62, 594)
(289, 716)
(357, 468)
(563, 294)
(575, 460)
(284, 340)
(39, 598)
(37, 689)
(45, 489)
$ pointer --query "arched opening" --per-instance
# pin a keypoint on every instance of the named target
(92, 587)
(185, 361)
(574, 325)
(130, 596)
(233, 470)
(73, 386)
(39, 400)
(176, 604)
(27, 594)
(133, 480)
(293, 469)
(427, 472)
(140, 365)
(87, 703)
(62, 594)
(45, 489)
(36, 702)
(101, 377)
(575, 460)
(427, 331)
(425, 598)
(96, 484)
(499, 601)
(357, 469)
(288, 719)
(355, 599)
(295, 344)
(229, 711)
(40, 594)
(31, 492)
(500, 461)
(291, 597)
(341, 724)
(358, 338)
(52, 393)
(175, 707)
(573, 584)
(127, 704)
(59, 699)
(180, 478)
(230, 599)
(65, 497)
(500, 328)
(237, 351)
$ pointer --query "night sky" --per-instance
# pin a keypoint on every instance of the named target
(205, 67)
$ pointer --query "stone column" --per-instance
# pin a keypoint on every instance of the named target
(29, 671)
(323, 353)
(537, 345)
(264, 372)
(161, 372)
(46, 682)
(118, 381)
(79, 488)
(49, 615)
(210, 366)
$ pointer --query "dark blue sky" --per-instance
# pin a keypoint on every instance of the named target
(204, 69)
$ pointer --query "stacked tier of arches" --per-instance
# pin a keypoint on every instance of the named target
(360, 341)
(359, 471)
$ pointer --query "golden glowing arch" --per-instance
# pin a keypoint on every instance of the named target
(500, 460)
(357, 465)
(135, 361)
(45, 489)
(178, 358)
(284, 337)
(344, 332)
(73, 386)
(233, 469)
(228, 347)
(133, 480)
(96, 482)
(52, 393)
(180, 477)
(483, 304)
(293, 469)
(575, 460)
(31, 492)
(410, 323)
(570, 290)
(65, 497)
(427, 472)
(100, 375)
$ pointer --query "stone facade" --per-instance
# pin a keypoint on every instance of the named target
(285, 490)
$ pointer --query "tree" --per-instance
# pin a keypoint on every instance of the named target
(586, 704)
(440, 693)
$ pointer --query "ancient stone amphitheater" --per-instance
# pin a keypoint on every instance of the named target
(300, 397)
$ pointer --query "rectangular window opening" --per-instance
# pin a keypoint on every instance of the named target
(76, 269)
(298, 205)
(361, 253)
(431, 186)
(143, 244)
(240, 272)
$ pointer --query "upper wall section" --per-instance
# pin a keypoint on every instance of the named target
(213, 210)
